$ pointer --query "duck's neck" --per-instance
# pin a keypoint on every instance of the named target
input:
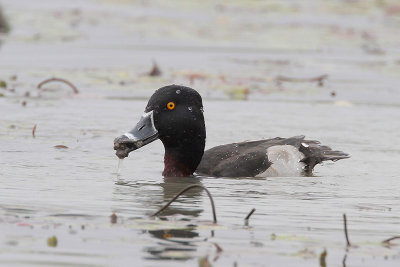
(183, 160)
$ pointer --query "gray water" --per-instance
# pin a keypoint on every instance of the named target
(47, 191)
(70, 193)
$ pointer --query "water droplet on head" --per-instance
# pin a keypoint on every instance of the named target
(178, 91)
(190, 109)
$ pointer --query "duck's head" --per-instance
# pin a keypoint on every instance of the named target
(174, 114)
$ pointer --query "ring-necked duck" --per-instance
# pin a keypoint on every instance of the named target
(174, 114)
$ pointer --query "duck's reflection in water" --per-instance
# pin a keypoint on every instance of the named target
(189, 203)
(170, 244)
(178, 244)
(135, 197)
(173, 244)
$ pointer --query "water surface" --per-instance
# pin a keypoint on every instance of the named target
(71, 192)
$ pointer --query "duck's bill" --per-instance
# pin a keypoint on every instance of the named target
(144, 133)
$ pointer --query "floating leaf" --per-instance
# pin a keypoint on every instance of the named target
(52, 241)
(322, 258)
(3, 84)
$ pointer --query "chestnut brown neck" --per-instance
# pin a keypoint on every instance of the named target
(175, 168)
(182, 161)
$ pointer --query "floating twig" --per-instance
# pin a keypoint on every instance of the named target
(345, 230)
(250, 213)
(183, 191)
(61, 146)
(387, 241)
(76, 91)
(34, 130)
(320, 79)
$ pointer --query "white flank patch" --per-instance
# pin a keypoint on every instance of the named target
(285, 161)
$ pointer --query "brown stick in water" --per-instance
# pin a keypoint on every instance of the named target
(250, 213)
(387, 241)
(183, 191)
(34, 130)
(76, 91)
(345, 229)
(320, 79)
(344, 260)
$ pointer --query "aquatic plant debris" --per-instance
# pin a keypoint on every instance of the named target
(322, 258)
(320, 79)
(250, 213)
(4, 26)
(3, 84)
(344, 260)
(203, 262)
(345, 230)
(34, 130)
(52, 241)
(218, 247)
(61, 146)
(219, 250)
(183, 191)
(155, 71)
(76, 91)
(387, 241)
(113, 218)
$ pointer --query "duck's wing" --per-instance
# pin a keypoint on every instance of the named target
(225, 161)
(251, 158)
(244, 159)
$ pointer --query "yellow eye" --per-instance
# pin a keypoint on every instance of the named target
(170, 105)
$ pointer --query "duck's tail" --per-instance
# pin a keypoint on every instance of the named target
(314, 153)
